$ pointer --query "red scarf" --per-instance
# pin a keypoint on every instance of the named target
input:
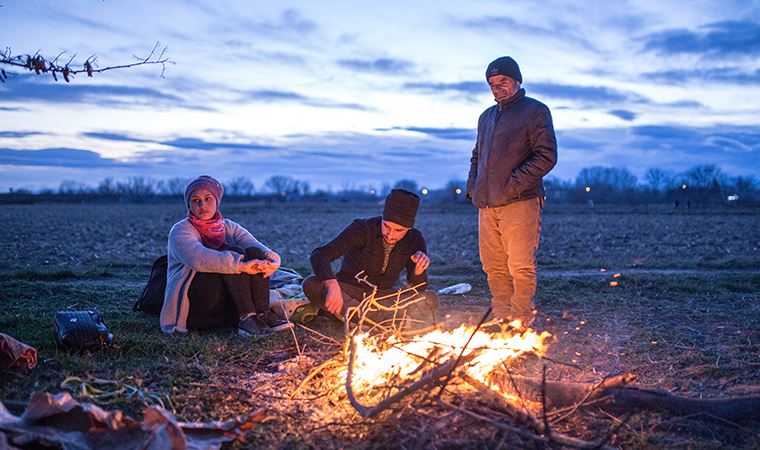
(211, 230)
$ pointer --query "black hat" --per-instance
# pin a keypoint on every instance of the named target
(504, 66)
(401, 207)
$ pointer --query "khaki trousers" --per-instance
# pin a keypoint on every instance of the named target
(508, 239)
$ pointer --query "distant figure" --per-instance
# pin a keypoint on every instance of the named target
(381, 247)
(515, 148)
(218, 274)
(677, 203)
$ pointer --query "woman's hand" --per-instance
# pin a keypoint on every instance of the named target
(271, 264)
(253, 266)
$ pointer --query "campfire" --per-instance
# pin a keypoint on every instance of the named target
(478, 374)
(381, 364)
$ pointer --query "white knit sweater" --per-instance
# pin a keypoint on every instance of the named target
(187, 255)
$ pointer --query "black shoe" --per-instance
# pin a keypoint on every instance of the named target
(273, 321)
(253, 326)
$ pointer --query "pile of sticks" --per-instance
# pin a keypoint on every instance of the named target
(539, 405)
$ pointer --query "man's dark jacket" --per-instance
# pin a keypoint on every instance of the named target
(361, 246)
(515, 148)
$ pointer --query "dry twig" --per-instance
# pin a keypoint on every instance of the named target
(40, 65)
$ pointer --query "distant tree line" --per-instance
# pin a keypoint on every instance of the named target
(701, 185)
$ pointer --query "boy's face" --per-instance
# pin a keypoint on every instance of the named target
(393, 232)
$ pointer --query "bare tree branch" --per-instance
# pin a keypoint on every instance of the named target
(40, 65)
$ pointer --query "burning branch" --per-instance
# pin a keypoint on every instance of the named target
(430, 378)
(40, 65)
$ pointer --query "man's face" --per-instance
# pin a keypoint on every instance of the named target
(203, 204)
(503, 87)
(393, 232)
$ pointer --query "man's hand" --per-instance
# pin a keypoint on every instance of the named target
(421, 262)
(334, 297)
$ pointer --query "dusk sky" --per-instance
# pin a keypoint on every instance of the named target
(353, 94)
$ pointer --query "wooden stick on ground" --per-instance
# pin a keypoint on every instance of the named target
(613, 395)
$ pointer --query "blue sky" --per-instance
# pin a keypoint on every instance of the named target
(349, 94)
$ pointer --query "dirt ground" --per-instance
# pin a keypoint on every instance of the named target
(682, 316)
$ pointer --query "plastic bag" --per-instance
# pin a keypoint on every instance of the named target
(460, 288)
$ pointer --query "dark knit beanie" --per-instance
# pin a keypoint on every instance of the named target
(504, 66)
(204, 182)
(401, 207)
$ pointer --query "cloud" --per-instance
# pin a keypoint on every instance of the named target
(272, 96)
(623, 114)
(380, 65)
(62, 15)
(12, 109)
(665, 132)
(467, 88)
(733, 37)
(113, 137)
(19, 134)
(736, 149)
(289, 23)
(187, 143)
(685, 104)
(585, 94)
(61, 157)
(725, 138)
(26, 88)
(387, 155)
(502, 22)
(248, 52)
(200, 144)
(733, 75)
(554, 30)
(577, 140)
(467, 134)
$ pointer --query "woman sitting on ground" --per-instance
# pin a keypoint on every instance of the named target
(218, 274)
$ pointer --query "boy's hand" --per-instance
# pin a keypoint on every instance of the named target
(421, 262)
(334, 297)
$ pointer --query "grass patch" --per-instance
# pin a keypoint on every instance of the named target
(678, 333)
(56, 275)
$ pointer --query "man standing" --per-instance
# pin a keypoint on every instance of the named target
(515, 148)
(381, 247)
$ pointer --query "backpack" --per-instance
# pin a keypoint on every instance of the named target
(82, 330)
(152, 298)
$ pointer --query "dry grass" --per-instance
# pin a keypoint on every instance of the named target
(694, 333)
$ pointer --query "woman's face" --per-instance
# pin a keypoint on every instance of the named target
(202, 204)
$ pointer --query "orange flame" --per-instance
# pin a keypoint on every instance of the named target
(381, 360)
